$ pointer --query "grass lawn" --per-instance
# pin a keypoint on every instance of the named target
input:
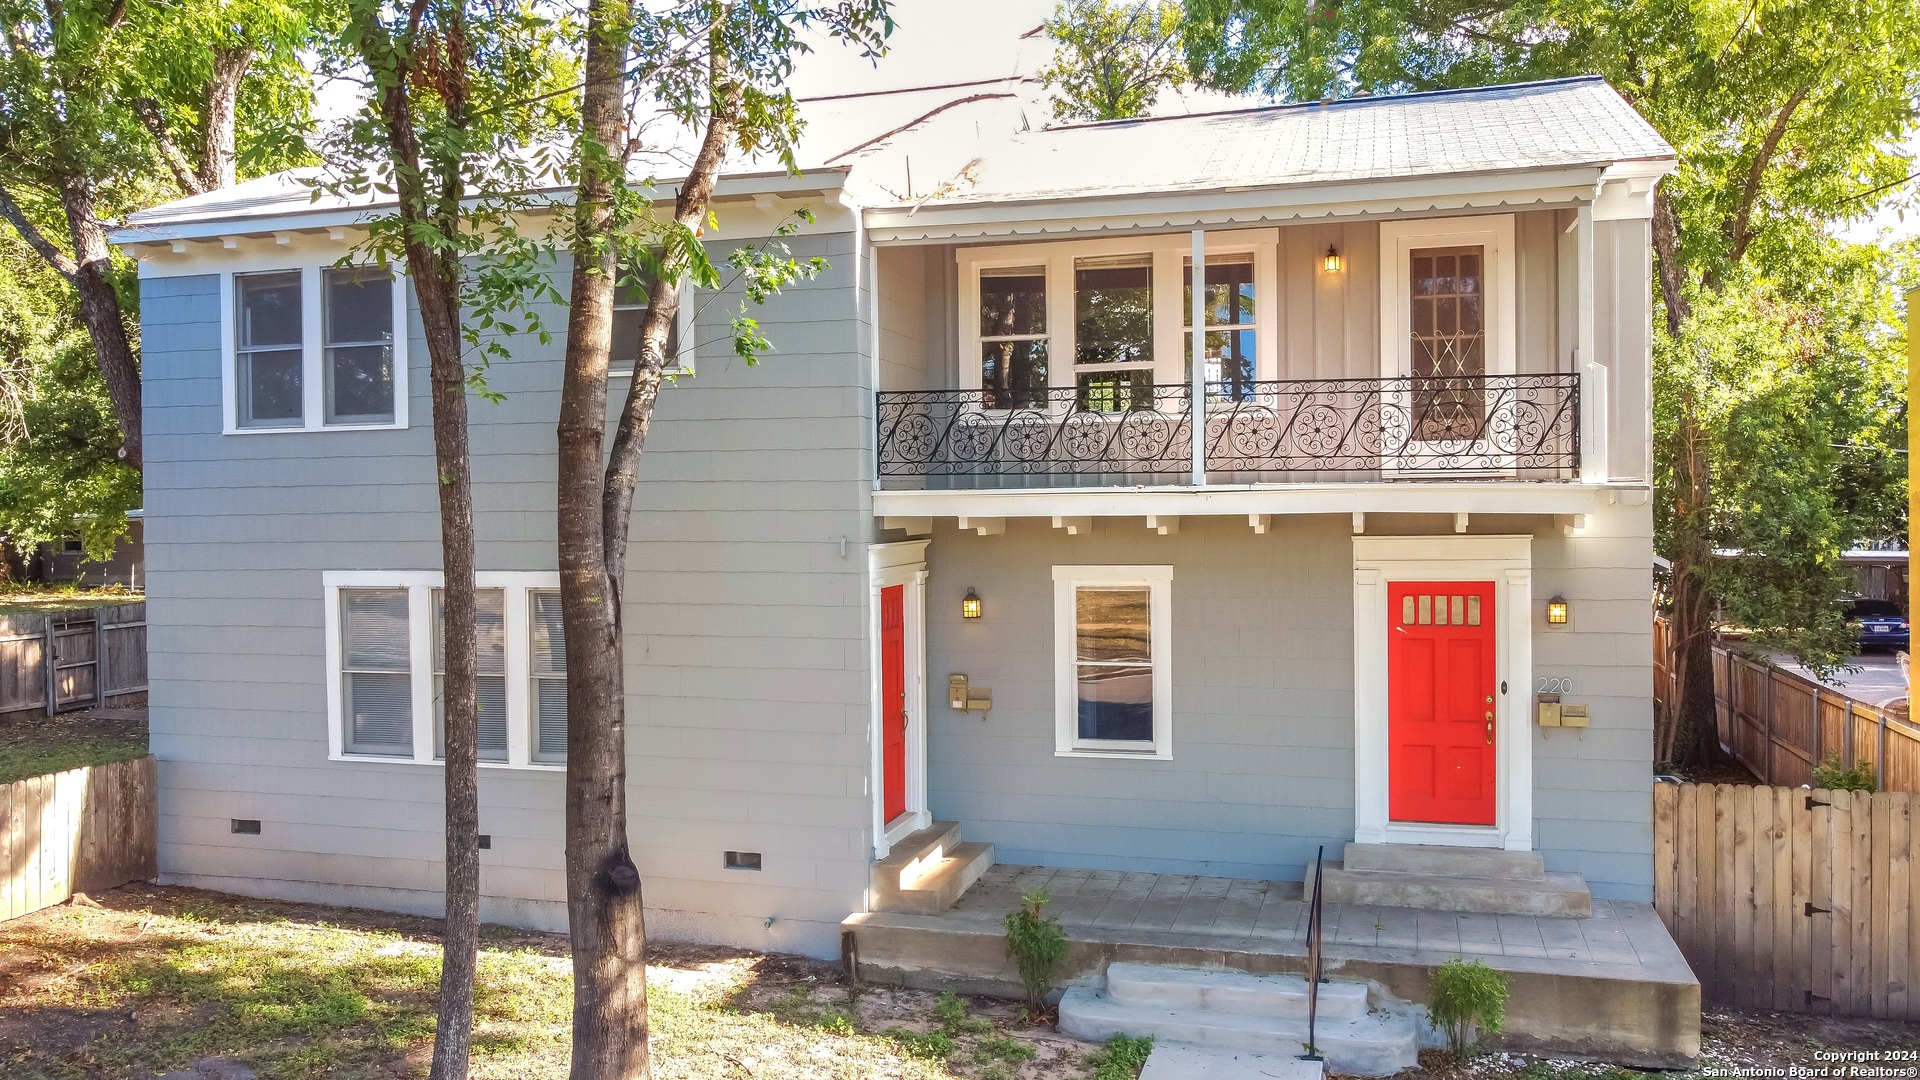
(164, 978)
(33, 745)
(29, 598)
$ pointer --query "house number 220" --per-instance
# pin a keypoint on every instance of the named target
(1554, 686)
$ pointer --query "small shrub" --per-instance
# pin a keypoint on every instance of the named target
(952, 1014)
(1830, 775)
(834, 1022)
(1037, 946)
(1122, 1058)
(1467, 998)
(931, 1046)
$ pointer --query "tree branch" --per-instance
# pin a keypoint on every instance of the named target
(59, 260)
(230, 64)
(148, 110)
(1739, 231)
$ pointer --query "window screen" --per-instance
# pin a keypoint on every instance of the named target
(358, 305)
(549, 668)
(266, 350)
(377, 683)
(490, 682)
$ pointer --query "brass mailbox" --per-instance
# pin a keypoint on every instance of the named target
(1548, 711)
(967, 698)
(1573, 716)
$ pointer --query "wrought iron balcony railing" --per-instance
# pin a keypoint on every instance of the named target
(1461, 427)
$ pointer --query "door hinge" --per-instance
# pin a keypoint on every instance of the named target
(1812, 911)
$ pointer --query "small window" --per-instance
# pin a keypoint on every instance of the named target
(358, 361)
(1112, 656)
(268, 360)
(377, 683)
(490, 680)
(549, 671)
(1229, 304)
(1013, 337)
(630, 301)
(1113, 332)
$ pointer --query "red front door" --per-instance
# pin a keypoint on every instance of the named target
(893, 701)
(1440, 686)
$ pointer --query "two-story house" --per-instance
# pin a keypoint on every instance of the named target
(980, 581)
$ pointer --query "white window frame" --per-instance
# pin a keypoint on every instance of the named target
(1398, 239)
(420, 585)
(312, 348)
(1169, 253)
(1158, 580)
(683, 324)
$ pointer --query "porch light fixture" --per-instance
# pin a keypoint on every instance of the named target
(1332, 262)
(1557, 611)
(970, 605)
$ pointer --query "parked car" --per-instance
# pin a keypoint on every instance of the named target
(1880, 623)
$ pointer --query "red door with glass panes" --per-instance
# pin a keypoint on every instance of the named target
(893, 701)
(1440, 708)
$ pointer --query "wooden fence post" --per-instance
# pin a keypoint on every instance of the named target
(46, 658)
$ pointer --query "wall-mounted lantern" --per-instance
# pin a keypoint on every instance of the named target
(1557, 611)
(970, 605)
(1331, 264)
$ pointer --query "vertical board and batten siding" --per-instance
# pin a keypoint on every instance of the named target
(1262, 769)
(1792, 898)
(747, 670)
(82, 830)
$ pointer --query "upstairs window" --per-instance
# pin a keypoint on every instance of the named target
(1113, 331)
(315, 348)
(630, 301)
(1013, 337)
(1229, 305)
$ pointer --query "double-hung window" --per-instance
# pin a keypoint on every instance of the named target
(1112, 669)
(386, 655)
(630, 301)
(1228, 300)
(1113, 332)
(315, 348)
(1013, 337)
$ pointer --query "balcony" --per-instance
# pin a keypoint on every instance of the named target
(1117, 433)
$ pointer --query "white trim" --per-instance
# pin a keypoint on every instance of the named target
(1238, 500)
(420, 585)
(1506, 561)
(1494, 232)
(311, 268)
(1159, 583)
(903, 564)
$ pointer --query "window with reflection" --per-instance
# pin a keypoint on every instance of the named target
(1447, 322)
(357, 303)
(267, 350)
(1113, 332)
(1228, 298)
(1013, 337)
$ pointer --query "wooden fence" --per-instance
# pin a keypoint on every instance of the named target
(84, 830)
(1780, 725)
(98, 655)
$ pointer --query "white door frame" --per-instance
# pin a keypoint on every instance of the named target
(889, 565)
(1507, 561)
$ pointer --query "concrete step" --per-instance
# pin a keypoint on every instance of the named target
(1173, 1061)
(1154, 986)
(936, 885)
(1374, 1044)
(1556, 894)
(910, 858)
(1446, 861)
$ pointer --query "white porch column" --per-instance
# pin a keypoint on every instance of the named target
(1199, 373)
(1593, 375)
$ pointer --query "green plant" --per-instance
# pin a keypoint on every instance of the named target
(952, 1014)
(1037, 945)
(1832, 776)
(1002, 1048)
(1467, 998)
(931, 1045)
(1122, 1058)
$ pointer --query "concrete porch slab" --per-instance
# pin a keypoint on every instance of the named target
(1612, 986)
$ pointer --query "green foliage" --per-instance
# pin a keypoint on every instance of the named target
(1037, 946)
(952, 1014)
(929, 1046)
(1467, 998)
(1121, 1058)
(1003, 1048)
(1113, 57)
(1832, 775)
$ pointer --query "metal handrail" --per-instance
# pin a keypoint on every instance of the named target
(1122, 431)
(1313, 959)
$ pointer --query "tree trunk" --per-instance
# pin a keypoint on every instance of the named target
(100, 312)
(605, 915)
(223, 95)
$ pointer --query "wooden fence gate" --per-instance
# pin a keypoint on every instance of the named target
(1792, 898)
(63, 660)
